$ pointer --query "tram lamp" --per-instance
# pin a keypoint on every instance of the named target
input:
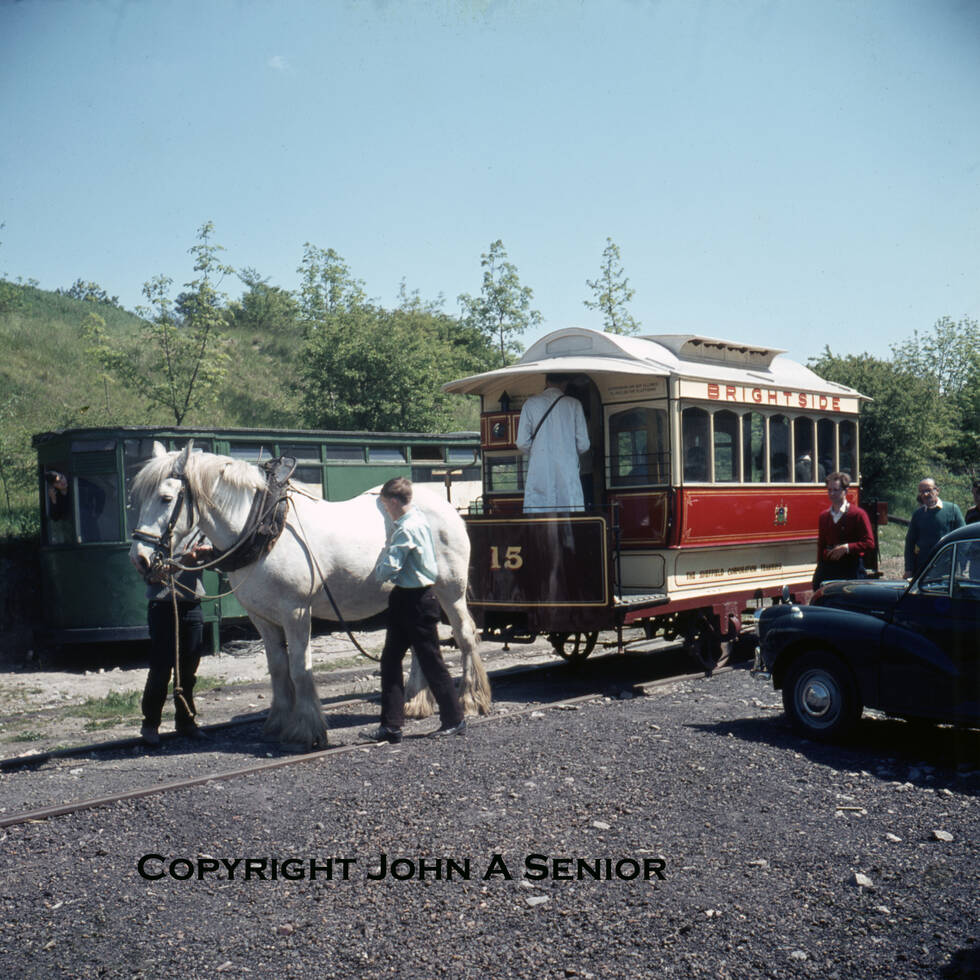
(505, 402)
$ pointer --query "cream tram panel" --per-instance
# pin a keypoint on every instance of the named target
(701, 571)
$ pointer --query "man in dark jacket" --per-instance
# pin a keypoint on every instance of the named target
(165, 633)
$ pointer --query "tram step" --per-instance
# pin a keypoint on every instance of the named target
(634, 601)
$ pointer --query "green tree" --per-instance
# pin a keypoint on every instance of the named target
(949, 357)
(326, 286)
(468, 350)
(503, 309)
(612, 293)
(263, 308)
(89, 292)
(900, 428)
(178, 359)
(377, 370)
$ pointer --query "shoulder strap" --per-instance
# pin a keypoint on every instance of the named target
(546, 414)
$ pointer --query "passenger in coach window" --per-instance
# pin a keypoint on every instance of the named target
(844, 535)
(58, 507)
(804, 469)
(929, 523)
(553, 433)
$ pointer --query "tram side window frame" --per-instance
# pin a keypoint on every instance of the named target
(780, 448)
(638, 447)
(766, 449)
(719, 448)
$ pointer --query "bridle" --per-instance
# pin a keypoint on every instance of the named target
(261, 530)
(163, 543)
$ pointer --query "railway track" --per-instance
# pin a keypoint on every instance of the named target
(124, 770)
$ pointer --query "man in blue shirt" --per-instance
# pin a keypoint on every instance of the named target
(409, 562)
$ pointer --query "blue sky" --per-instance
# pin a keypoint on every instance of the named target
(794, 173)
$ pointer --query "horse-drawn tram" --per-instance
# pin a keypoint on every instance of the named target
(89, 589)
(701, 489)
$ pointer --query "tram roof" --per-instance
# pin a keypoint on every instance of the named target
(577, 350)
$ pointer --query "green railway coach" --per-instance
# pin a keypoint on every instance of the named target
(90, 591)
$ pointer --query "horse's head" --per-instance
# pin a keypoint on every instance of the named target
(166, 508)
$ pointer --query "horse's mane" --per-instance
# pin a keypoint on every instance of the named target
(211, 478)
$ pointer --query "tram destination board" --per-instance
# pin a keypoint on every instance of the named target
(544, 566)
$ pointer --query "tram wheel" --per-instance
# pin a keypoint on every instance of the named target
(702, 645)
(573, 647)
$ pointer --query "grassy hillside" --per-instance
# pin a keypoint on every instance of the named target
(47, 381)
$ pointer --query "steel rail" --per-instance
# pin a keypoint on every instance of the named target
(46, 813)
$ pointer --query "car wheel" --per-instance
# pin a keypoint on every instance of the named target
(820, 697)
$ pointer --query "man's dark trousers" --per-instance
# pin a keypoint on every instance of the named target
(413, 615)
(160, 618)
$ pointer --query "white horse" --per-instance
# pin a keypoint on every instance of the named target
(337, 544)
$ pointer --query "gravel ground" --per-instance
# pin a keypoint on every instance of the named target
(45, 707)
(781, 858)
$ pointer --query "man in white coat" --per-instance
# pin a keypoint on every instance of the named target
(553, 432)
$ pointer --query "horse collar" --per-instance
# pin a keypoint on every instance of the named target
(265, 520)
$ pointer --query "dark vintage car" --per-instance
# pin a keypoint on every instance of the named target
(911, 650)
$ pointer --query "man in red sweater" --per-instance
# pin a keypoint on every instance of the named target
(844, 535)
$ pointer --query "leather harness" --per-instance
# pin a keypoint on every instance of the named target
(265, 521)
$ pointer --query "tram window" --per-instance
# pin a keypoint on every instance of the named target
(345, 453)
(429, 453)
(806, 470)
(694, 422)
(200, 445)
(386, 454)
(779, 449)
(726, 447)
(638, 447)
(98, 507)
(93, 445)
(460, 454)
(251, 452)
(504, 474)
(847, 441)
(302, 452)
(753, 448)
(135, 453)
(827, 445)
(57, 503)
(308, 474)
(310, 479)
